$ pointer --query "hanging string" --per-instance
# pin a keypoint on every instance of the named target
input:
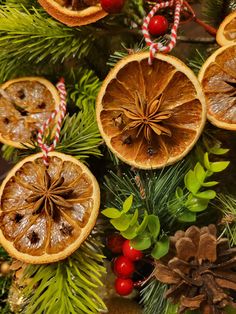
(154, 47)
(60, 114)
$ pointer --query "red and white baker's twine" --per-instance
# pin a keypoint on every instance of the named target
(61, 111)
(154, 47)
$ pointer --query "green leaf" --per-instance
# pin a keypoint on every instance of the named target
(210, 184)
(161, 248)
(143, 225)
(111, 213)
(191, 182)
(141, 242)
(207, 162)
(127, 204)
(219, 166)
(179, 193)
(134, 218)
(187, 216)
(218, 150)
(208, 195)
(154, 225)
(130, 233)
(122, 223)
(197, 204)
(199, 173)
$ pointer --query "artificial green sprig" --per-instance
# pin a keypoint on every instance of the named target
(141, 228)
(195, 196)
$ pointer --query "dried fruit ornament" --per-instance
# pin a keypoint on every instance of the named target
(199, 270)
(74, 12)
(49, 204)
(226, 33)
(150, 116)
(218, 79)
(25, 103)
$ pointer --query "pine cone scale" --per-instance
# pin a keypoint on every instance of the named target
(199, 270)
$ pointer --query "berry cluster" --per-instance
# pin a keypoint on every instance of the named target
(124, 265)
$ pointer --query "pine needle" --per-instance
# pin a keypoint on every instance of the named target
(30, 37)
(67, 287)
(227, 205)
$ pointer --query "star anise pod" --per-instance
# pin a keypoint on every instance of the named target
(200, 270)
(147, 117)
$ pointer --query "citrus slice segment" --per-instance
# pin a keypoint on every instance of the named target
(226, 33)
(25, 103)
(218, 78)
(74, 12)
(150, 116)
(47, 212)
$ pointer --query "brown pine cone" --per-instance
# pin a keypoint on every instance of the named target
(199, 270)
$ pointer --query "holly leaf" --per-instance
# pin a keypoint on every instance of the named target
(111, 213)
(207, 162)
(129, 233)
(154, 225)
(191, 182)
(134, 218)
(207, 195)
(187, 216)
(199, 173)
(218, 150)
(179, 193)
(219, 166)
(143, 225)
(210, 184)
(127, 204)
(161, 248)
(122, 223)
(197, 204)
(141, 242)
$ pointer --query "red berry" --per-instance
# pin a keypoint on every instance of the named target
(130, 252)
(112, 6)
(158, 25)
(124, 286)
(123, 267)
(115, 243)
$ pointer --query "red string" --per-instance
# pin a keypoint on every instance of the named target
(154, 47)
(60, 112)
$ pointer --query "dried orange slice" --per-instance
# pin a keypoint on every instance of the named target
(226, 33)
(150, 116)
(25, 103)
(218, 78)
(46, 213)
(74, 12)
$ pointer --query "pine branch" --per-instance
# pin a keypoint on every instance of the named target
(28, 37)
(68, 287)
(227, 205)
(151, 190)
(214, 11)
(152, 297)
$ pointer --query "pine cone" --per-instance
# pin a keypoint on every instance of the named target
(199, 270)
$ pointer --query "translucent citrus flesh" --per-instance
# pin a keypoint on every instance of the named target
(27, 105)
(218, 78)
(230, 30)
(79, 5)
(34, 230)
(174, 91)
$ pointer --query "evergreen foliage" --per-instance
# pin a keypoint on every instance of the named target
(67, 287)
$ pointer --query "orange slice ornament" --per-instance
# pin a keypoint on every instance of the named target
(150, 116)
(218, 79)
(25, 104)
(226, 33)
(74, 12)
(47, 212)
